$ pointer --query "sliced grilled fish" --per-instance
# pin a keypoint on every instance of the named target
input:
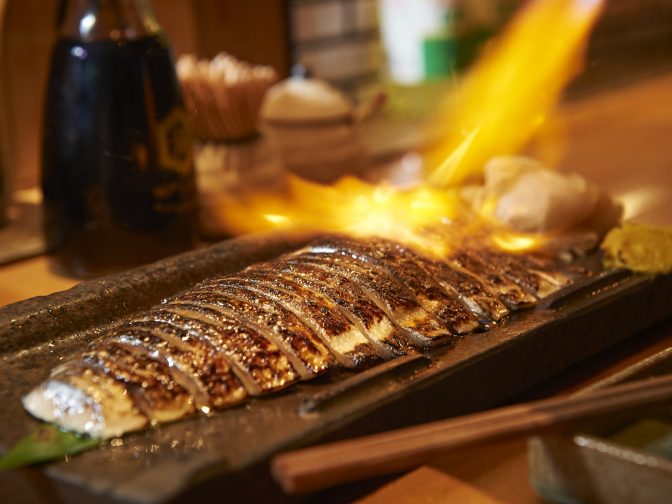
(336, 302)
(150, 383)
(346, 342)
(383, 289)
(525, 272)
(471, 291)
(510, 293)
(369, 318)
(196, 365)
(308, 354)
(441, 304)
(256, 361)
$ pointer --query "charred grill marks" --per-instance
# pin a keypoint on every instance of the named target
(322, 315)
(385, 291)
(276, 322)
(366, 315)
(402, 263)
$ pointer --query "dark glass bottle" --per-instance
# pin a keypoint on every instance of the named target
(117, 171)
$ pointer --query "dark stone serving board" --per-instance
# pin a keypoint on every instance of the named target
(226, 455)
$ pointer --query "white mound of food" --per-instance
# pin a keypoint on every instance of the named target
(524, 195)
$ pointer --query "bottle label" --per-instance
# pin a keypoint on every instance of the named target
(174, 148)
(174, 154)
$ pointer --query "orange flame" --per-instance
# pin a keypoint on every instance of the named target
(353, 207)
(513, 87)
(495, 111)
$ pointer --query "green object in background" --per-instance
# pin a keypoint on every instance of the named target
(446, 54)
(440, 56)
(44, 444)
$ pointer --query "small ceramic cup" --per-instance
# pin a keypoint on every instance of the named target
(314, 128)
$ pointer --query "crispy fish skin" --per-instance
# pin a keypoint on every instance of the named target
(153, 389)
(468, 288)
(295, 337)
(522, 271)
(256, 361)
(401, 262)
(344, 339)
(506, 290)
(213, 383)
(384, 290)
(370, 319)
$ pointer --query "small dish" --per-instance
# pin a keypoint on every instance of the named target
(620, 459)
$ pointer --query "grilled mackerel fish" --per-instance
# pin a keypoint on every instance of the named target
(338, 302)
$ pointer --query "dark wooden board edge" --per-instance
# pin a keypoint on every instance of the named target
(101, 301)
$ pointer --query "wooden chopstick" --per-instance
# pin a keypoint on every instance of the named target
(320, 467)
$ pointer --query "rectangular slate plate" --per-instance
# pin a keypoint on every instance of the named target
(227, 454)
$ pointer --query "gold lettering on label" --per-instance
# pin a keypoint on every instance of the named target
(174, 149)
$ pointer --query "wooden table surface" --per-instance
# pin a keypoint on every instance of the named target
(620, 138)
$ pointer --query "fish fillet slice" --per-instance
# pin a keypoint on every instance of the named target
(468, 288)
(385, 291)
(256, 361)
(85, 401)
(346, 342)
(150, 384)
(213, 383)
(262, 311)
(522, 271)
(440, 303)
(369, 318)
(498, 284)
(229, 311)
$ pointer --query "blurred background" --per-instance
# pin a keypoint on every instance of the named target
(410, 48)
(613, 126)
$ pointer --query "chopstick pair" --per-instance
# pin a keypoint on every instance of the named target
(320, 467)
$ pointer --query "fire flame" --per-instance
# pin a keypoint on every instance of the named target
(512, 89)
(353, 207)
(496, 110)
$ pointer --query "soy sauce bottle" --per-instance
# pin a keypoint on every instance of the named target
(117, 172)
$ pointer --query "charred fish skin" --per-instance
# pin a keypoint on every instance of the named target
(209, 372)
(386, 292)
(444, 303)
(521, 271)
(507, 291)
(402, 263)
(355, 305)
(256, 361)
(344, 339)
(298, 338)
(208, 310)
(149, 382)
(471, 291)
(333, 335)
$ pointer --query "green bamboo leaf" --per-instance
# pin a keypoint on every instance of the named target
(44, 444)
